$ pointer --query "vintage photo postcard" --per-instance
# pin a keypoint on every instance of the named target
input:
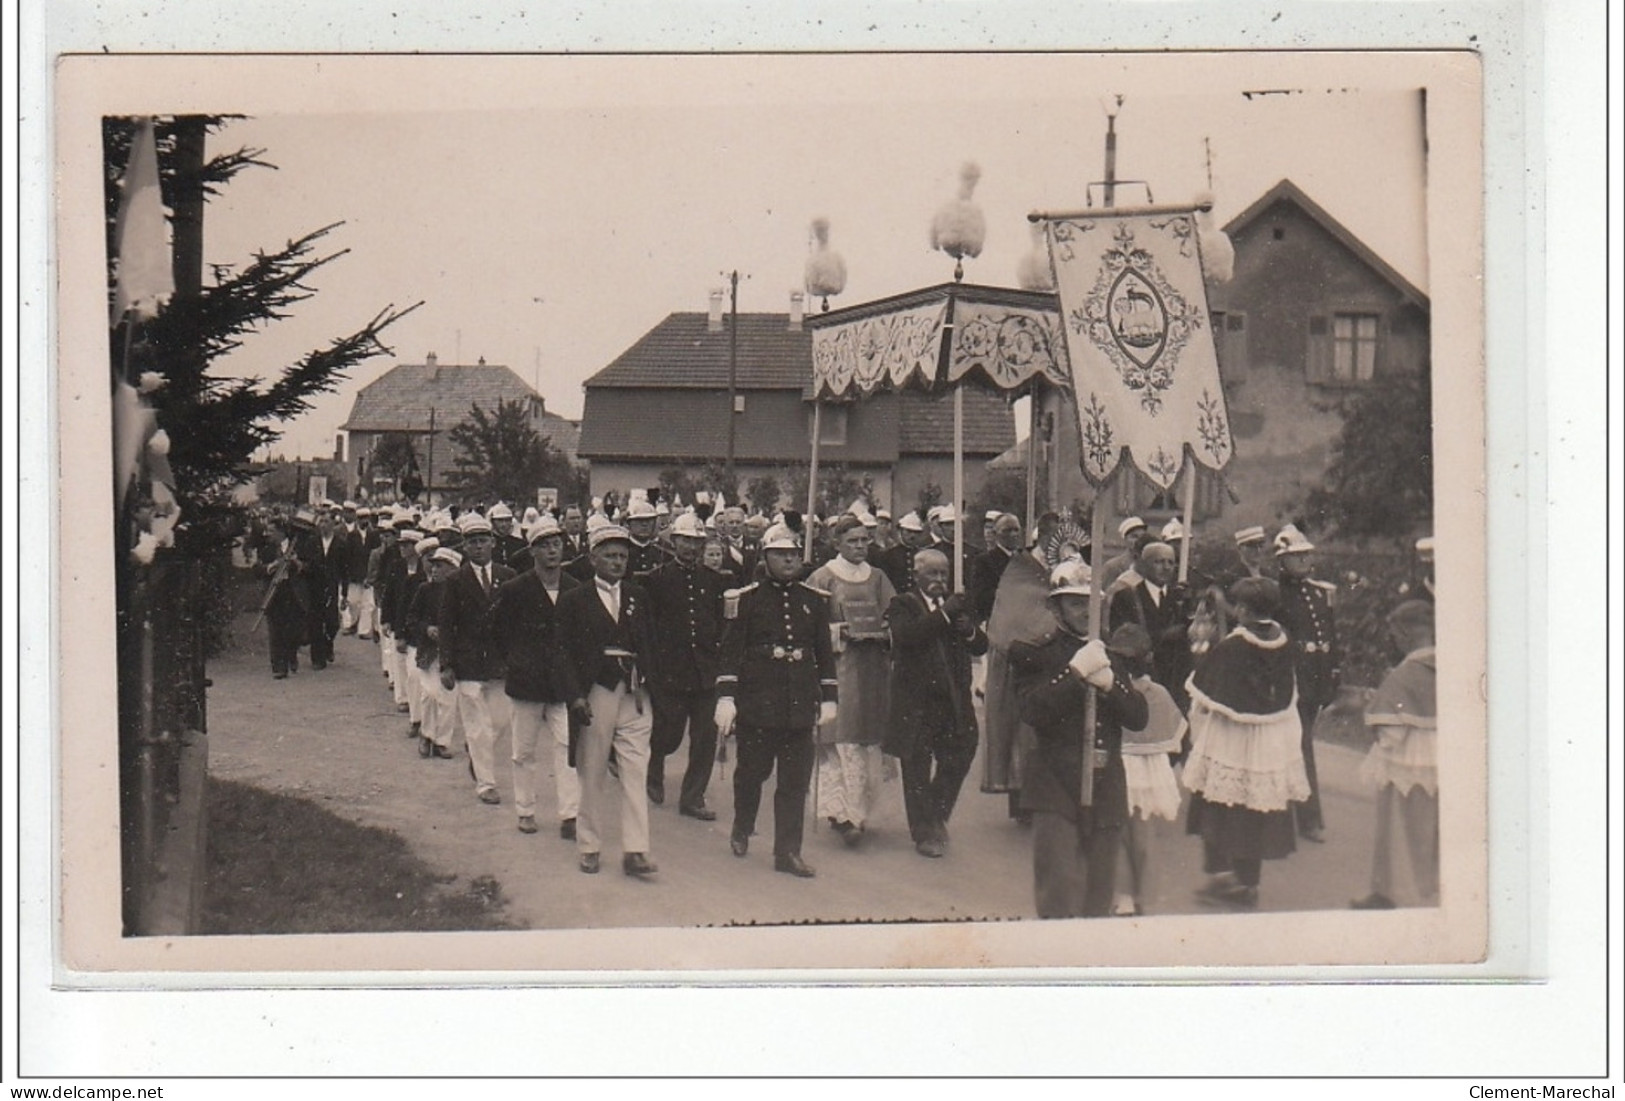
(883, 517)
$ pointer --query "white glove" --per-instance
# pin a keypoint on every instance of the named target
(1091, 658)
(826, 712)
(1102, 679)
(726, 713)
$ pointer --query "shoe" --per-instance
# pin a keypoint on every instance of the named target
(1376, 900)
(567, 829)
(702, 812)
(588, 863)
(1236, 895)
(318, 665)
(471, 773)
(792, 864)
(1125, 906)
(279, 676)
(1216, 885)
(527, 823)
(415, 730)
(638, 864)
(490, 797)
(929, 847)
(1313, 833)
(656, 790)
(403, 708)
(426, 748)
(442, 752)
(739, 845)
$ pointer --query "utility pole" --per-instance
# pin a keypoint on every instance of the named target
(733, 368)
(428, 483)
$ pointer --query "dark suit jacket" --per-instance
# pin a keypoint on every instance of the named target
(772, 689)
(523, 623)
(930, 676)
(982, 580)
(687, 608)
(1168, 626)
(326, 571)
(466, 646)
(585, 631)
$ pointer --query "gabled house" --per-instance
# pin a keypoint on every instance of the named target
(663, 403)
(420, 403)
(1311, 315)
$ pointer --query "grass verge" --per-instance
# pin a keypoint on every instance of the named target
(280, 864)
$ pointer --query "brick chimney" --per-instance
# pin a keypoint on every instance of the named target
(713, 324)
(431, 360)
(798, 308)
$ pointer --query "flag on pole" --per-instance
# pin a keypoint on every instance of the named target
(144, 278)
(1145, 375)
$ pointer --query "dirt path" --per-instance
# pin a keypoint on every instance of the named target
(335, 737)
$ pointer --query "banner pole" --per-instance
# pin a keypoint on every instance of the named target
(1189, 517)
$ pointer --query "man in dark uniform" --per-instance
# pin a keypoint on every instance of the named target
(1157, 603)
(509, 543)
(897, 561)
(605, 653)
(1306, 614)
(647, 553)
(523, 623)
(1075, 843)
(933, 731)
(686, 601)
(777, 679)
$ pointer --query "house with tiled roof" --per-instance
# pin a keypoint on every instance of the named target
(1311, 314)
(421, 403)
(663, 404)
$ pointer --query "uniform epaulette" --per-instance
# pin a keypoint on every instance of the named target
(730, 600)
(821, 592)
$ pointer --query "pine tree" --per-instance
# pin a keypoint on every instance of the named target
(215, 423)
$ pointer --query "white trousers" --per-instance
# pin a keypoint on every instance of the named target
(386, 654)
(414, 684)
(363, 612)
(350, 613)
(439, 723)
(530, 720)
(475, 699)
(621, 720)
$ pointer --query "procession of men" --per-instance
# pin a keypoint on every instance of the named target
(597, 641)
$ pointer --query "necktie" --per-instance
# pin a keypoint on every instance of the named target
(485, 579)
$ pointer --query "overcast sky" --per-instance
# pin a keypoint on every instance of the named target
(579, 200)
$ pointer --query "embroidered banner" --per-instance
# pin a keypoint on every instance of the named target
(879, 351)
(1140, 346)
(1008, 344)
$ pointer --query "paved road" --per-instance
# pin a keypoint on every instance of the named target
(334, 736)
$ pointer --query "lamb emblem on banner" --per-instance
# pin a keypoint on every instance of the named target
(1137, 318)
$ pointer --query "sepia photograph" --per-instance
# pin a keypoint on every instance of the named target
(849, 513)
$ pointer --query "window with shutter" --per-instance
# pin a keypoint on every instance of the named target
(1317, 361)
(1233, 342)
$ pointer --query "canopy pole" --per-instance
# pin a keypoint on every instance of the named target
(1189, 509)
(1030, 520)
(812, 483)
(959, 487)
